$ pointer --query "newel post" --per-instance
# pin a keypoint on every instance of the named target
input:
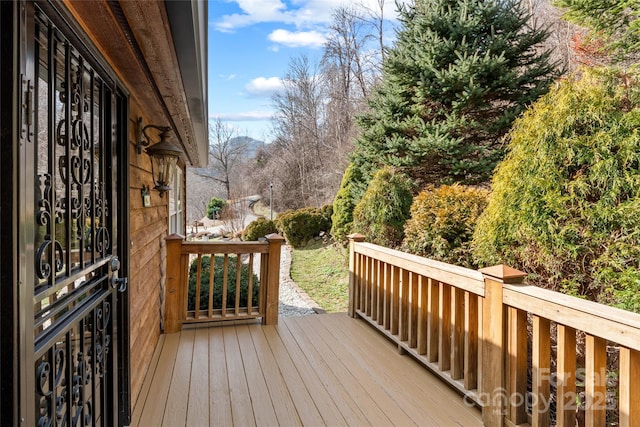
(273, 279)
(353, 278)
(494, 390)
(175, 285)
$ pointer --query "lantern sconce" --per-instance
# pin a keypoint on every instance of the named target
(164, 155)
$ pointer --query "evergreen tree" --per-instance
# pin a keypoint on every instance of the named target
(461, 71)
(618, 21)
(565, 202)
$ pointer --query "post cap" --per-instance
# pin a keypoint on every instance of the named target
(174, 237)
(273, 237)
(504, 273)
(356, 237)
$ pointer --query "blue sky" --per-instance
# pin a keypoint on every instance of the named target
(250, 45)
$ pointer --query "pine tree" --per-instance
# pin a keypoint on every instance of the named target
(460, 72)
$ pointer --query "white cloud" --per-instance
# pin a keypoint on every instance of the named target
(312, 39)
(301, 13)
(245, 116)
(263, 86)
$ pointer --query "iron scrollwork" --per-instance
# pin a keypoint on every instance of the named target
(61, 398)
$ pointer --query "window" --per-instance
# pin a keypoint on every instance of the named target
(176, 221)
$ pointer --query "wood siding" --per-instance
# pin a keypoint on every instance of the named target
(148, 228)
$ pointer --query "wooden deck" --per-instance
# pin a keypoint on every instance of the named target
(314, 370)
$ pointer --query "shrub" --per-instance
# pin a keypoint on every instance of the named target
(442, 223)
(381, 213)
(218, 277)
(258, 229)
(565, 205)
(343, 205)
(215, 207)
(301, 225)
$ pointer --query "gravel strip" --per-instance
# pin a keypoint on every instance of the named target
(293, 300)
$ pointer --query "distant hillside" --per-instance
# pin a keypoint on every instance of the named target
(252, 147)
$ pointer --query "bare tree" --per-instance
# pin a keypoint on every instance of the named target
(314, 125)
(226, 150)
(298, 130)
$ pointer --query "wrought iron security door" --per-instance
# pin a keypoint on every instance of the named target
(70, 130)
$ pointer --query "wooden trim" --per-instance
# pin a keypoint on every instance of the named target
(273, 280)
(464, 278)
(173, 288)
(493, 356)
(609, 323)
(353, 276)
(189, 247)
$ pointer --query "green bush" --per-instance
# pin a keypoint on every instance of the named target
(218, 277)
(258, 229)
(343, 205)
(442, 223)
(301, 225)
(215, 207)
(565, 205)
(381, 213)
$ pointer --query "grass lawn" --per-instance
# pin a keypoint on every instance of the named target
(323, 272)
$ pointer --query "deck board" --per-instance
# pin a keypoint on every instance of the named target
(315, 370)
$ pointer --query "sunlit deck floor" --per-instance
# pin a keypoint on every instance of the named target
(315, 370)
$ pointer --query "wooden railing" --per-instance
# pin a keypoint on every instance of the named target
(526, 355)
(201, 289)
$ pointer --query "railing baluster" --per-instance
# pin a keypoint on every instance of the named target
(433, 320)
(413, 310)
(566, 377)
(457, 333)
(387, 296)
(541, 372)
(196, 311)
(470, 341)
(423, 314)
(212, 285)
(404, 305)
(629, 387)
(238, 284)
(395, 299)
(380, 291)
(595, 381)
(516, 365)
(225, 284)
(363, 282)
(444, 342)
(250, 287)
(262, 296)
(375, 289)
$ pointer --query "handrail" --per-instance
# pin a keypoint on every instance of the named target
(200, 304)
(500, 342)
